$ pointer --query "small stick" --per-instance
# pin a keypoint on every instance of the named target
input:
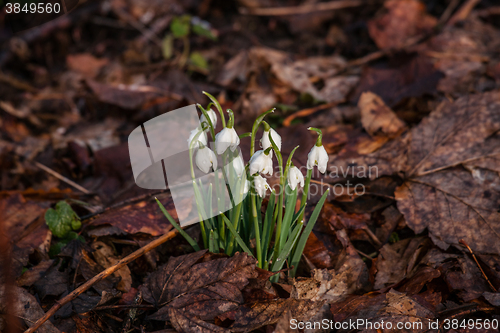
(463, 12)
(61, 177)
(477, 263)
(123, 306)
(306, 112)
(304, 9)
(104, 274)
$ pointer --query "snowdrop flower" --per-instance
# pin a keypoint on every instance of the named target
(201, 138)
(260, 185)
(237, 165)
(261, 162)
(295, 177)
(318, 155)
(227, 138)
(205, 159)
(213, 118)
(266, 143)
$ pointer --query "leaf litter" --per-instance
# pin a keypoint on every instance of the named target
(401, 85)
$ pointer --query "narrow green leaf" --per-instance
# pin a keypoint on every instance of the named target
(236, 235)
(305, 235)
(176, 226)
(268, 219)
(288, 217)
(283, 254)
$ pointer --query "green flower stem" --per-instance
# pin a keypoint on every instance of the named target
(236, 216)
(191, 146)
(256, 226)
(255, 127)
(211, 126)
(320, 135)
(219, 108)
(305, 193)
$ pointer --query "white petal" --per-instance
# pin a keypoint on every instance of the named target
(256, 162)
(261, 185)
(266, 143)
(235, 139)
(222, 141)
(202, 160)
(322, 159)
(213, 158)
(213, 118)
(201, 138)
(269, 165)
(312, 157)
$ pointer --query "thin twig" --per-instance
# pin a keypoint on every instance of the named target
(477, 263)
(306, 112)
(99, 277)
(61, 177)
(304, 9)
(124, 306)
(463, 12)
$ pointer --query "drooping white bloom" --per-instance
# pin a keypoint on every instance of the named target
(266, 143)
(261, 185)
(201, 138)
(206, 159)
(295, 177)
(213, 118)
(260, 162)
(317, 156)
(227, 138)
(237, 165)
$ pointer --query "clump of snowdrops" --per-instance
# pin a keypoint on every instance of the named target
(275, 237)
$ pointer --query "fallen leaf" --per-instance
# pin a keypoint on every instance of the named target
(377, 118)
(441, 195)
(249, 317)
(349, 276)
(53, 282)
(27, 308)
(85, 64)
(403, 20)
(409, 76)
(396, 261)
(104, 256)
(391, 308)
(198, 289)
(125, 96)
(141, 217)
(317, 253)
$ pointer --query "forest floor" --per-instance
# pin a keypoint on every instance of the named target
(407, 94)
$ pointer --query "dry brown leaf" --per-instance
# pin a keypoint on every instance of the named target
(392, 307)
(85, 64)
(462, 52)
(349, 276)
(105, 256)
(440, 194)
(198, 289)
(26, 308)
(249, 317)
(404, 19)
(396, 261)
(141, 217)
(453, 202)
(377, 118)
